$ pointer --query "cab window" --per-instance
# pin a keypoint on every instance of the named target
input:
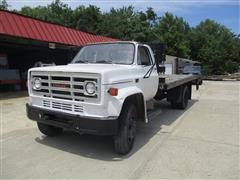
(143, 57)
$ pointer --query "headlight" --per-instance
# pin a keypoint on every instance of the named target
(90, 88)
(37, 83)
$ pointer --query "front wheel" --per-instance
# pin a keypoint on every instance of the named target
(125, 137)
(49, 130)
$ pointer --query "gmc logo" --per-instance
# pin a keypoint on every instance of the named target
(60, 85)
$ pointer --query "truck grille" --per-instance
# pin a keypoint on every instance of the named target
(62, 106)
(68, 86)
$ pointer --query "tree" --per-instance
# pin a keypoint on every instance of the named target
(56, 12)
(87, 18)
(39, 12)
(216, 47)
(127, 24)
(151, 16)
(60, 13)
(117, 23)
(173, 31)
(3, 5)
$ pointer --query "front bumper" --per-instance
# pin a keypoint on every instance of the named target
(73, 122)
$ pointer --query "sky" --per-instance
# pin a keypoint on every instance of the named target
(226, 12)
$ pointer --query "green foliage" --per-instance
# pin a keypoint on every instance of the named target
(126, 24)
(56, 12)
(215, 46)
(3, 5)
(86, 18)
(173, 31)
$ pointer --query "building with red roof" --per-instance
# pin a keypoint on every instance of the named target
(17, 25)
(25, 40)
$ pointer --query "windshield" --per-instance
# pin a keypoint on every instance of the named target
(111, 53)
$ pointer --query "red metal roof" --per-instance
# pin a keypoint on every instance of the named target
(26, 27)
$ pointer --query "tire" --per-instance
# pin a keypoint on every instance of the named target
(49, 130)
(174, 105)
(125, 137)
(184, 100)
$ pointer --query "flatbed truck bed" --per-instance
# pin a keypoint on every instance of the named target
(175, 80)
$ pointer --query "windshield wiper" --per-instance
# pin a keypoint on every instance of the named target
(104, 61)
(81, 61)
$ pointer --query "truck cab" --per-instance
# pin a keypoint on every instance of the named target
(103, 91)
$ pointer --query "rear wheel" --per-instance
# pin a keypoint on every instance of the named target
(184, 97)
(184, 100)
(174, 104)
(49, 130)
(124, 140)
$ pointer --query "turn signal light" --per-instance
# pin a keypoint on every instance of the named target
(113, 91)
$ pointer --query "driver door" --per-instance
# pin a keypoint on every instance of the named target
(149, 84)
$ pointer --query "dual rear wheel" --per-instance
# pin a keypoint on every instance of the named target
(184, 97)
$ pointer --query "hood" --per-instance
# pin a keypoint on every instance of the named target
(110, 73)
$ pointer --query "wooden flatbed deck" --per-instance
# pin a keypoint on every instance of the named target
(174, 80)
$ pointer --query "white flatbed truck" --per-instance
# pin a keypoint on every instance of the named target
(105, 91)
